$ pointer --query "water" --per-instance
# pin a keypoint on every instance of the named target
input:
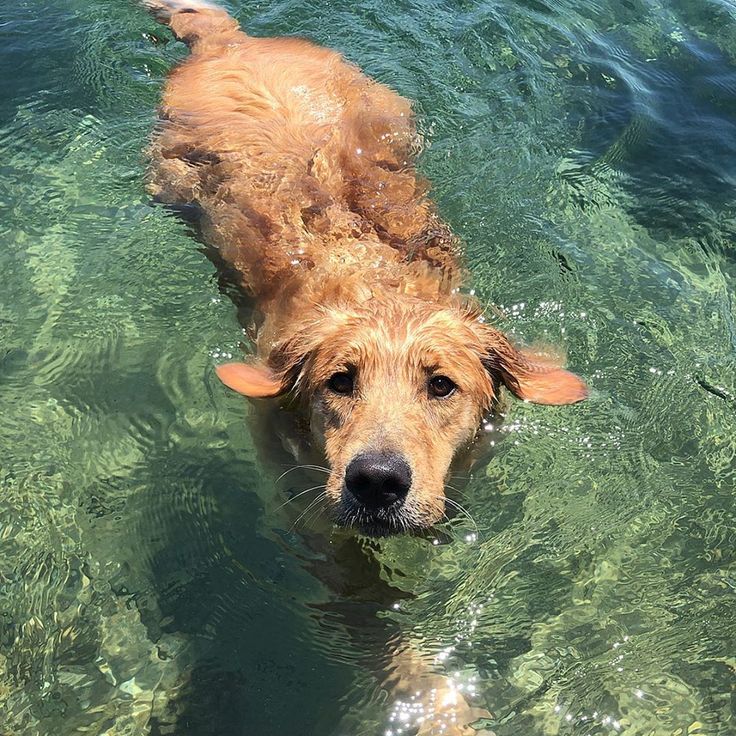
(586, 154)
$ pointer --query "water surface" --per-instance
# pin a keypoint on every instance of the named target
(586, 154)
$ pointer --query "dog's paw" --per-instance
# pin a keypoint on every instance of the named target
(439, 711)
(452, 715)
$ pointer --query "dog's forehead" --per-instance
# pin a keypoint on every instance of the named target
(410, 336)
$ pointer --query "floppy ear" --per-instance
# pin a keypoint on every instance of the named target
(531, 377)
(256, 381)
(287, 367)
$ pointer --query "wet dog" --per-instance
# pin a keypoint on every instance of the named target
(301, 168)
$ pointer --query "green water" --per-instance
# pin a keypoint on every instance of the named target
(586, 154)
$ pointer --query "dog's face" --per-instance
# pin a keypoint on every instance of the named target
(394, 391)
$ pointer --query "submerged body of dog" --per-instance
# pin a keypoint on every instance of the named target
(301, 168)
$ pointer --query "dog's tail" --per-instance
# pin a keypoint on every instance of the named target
(193, 21)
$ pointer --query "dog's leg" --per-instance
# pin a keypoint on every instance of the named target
(435, 704)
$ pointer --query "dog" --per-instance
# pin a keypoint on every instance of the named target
(302, 171)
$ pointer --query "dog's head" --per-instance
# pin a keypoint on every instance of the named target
(395, 389)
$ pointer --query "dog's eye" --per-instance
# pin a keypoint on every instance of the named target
(441, 386)
(341, 383)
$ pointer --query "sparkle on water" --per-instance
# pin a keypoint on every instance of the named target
(586, 154)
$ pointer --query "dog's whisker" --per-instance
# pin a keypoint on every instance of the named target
(460, 508)
(316, 515)
(321, 509)
(301, 493)
(305, 512)
(319, 498)
(318, 468)
(464, 511)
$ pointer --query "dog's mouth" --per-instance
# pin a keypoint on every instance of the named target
(382, 521)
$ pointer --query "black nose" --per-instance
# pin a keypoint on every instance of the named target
(378, 479)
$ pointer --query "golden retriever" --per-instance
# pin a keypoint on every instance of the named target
(302, 170)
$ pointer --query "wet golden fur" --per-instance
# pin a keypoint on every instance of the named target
(302, 168)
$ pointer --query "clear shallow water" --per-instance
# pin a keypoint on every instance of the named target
(586, 153)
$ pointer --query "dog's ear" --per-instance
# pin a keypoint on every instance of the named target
(256, 381)
(265, 380)
(530, 376)
(287, 367)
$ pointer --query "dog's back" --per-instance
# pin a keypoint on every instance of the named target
(295, 158)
